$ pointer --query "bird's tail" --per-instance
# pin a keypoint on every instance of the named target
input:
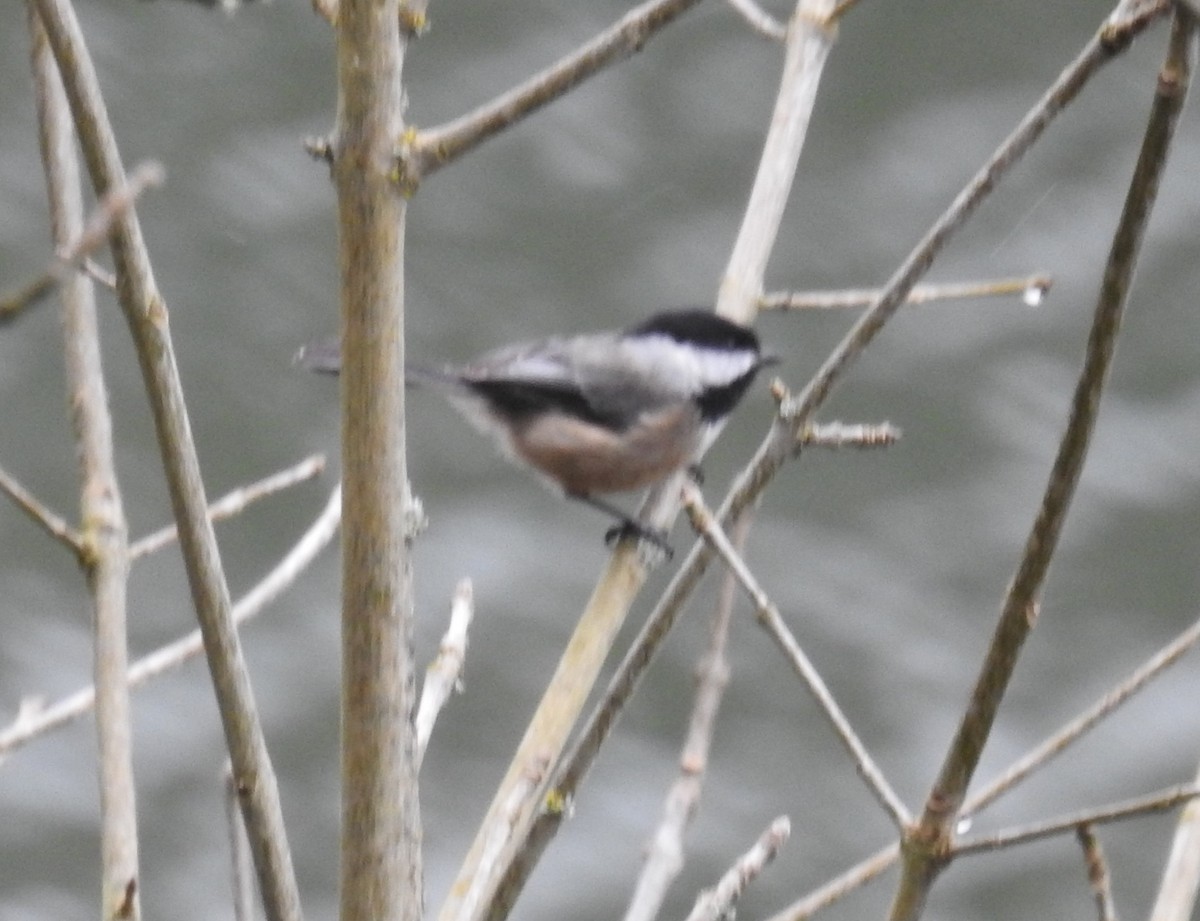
(322, 357)
(326, 358)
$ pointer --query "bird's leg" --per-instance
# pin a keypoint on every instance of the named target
(627, 526)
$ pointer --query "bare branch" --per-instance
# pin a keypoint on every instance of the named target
(37, 721)
(809, 40)
(926, 851)
(241, 866)
(235, 502)
(444, 674)
(664, 857)
(885, 858)
(841, 886)
(1075, 729)
(99, 275)
(49, 521)
(146, 315)
(843, 7)
(1176, 900)
(85, 240)
(105, 536)
(719, 902)
(381, 873)
(1099, 879)
(760, 20)
(769, 617)
(836, 435)
(424, 152)
(1163, 801)
(1032, 289)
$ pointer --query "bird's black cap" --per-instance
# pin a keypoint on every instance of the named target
(698, 327)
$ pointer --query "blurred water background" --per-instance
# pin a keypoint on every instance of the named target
(622, 199)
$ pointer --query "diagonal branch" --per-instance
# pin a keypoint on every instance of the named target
(719, 902)
(147, 317)
(425, 152)
(37, 722)
(1075, 729)
(770, 619)
(927, 848)
(84, 240)
(235, 502)
(580, 664)
(49, 521)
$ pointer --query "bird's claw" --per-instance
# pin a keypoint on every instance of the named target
(632, 529)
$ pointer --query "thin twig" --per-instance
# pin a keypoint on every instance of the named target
(1075, 729)
(843, 7)
(759, 20)
(1032, 289)
(885, 858)
(1162, 801)
(1099, 879)
(840, 886)
(50, 522)
(235, 502)
(89, 237)
(926, 848)
(664, 855)
(768, 616)
(719, 902)
(429, 150)
(444, 675)
(147, 317)
(99, 275)
(34, 722)
(241, 866)
(836, 435)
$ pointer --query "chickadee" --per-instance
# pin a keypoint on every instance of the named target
(601, 413)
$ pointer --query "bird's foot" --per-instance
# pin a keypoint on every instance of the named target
(628, 528)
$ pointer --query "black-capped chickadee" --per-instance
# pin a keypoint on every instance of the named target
(605, 412)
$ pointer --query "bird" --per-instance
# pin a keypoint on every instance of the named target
(600, 413)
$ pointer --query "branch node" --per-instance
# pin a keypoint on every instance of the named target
(319, 148)
(414, 22)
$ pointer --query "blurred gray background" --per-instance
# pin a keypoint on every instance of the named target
(623, 199)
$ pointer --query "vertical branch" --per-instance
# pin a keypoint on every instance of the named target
(381, 825)
(147, 317)
(926, 848)
(104, 534)
(810, 37)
